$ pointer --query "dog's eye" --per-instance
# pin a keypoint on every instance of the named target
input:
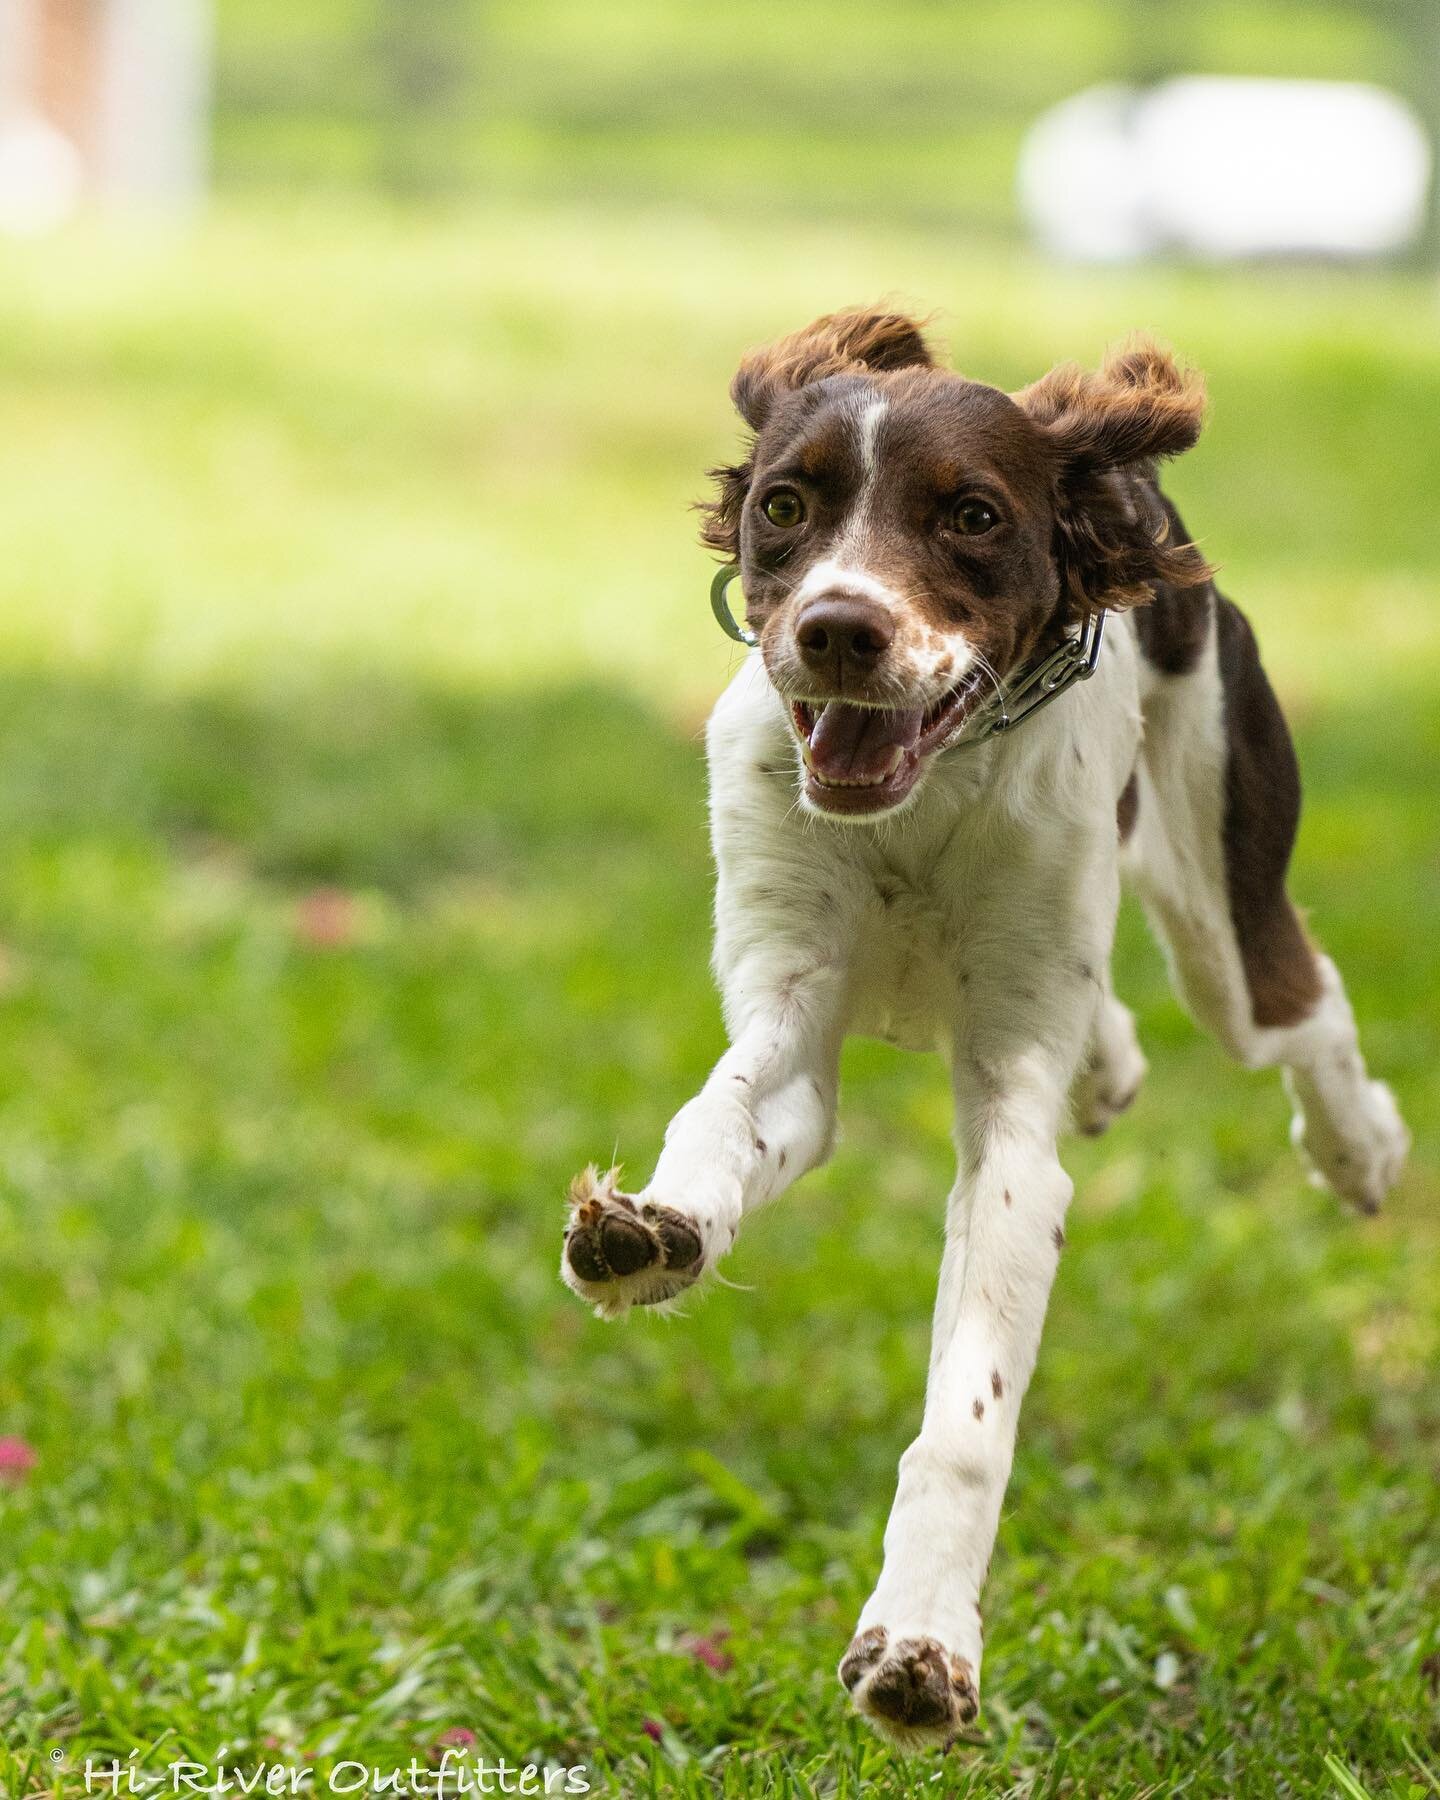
(784, 508)
(972, 518)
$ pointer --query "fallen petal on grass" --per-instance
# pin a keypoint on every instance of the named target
(710, 1651)
(17, 1459)
(458, 1737)
(327, 918)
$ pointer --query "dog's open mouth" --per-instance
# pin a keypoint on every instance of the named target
(866, 759)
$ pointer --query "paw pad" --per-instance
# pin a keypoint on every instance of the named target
(864, 1652)
(914, 1690)
(610, 1237)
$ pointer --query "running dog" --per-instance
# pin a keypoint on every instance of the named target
(991, 675)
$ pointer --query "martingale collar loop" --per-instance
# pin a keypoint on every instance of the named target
(1036, 685)
(720, 606)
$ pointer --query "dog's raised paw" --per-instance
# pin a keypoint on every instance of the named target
(914, 1692)
(621, 1251)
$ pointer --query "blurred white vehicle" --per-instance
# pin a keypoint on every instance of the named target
(1221, 168)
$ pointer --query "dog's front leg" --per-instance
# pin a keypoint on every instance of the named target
(765, 1115)
(913, 1667)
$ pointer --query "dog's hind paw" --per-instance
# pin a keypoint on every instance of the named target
(1358, 1156)
(1113, 1072)
(622, 1250)
(914, 1692)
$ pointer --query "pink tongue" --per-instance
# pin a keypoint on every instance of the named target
(857, 743)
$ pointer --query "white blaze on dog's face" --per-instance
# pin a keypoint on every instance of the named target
(907, 537)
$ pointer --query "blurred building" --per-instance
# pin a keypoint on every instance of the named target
(102, 103)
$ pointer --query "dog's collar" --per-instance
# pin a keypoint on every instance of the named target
(1036, 685)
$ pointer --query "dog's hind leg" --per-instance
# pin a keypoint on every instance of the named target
(1218, 806)
(1113, 1069)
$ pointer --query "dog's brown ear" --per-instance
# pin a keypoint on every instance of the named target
(862, 338)
(1139, 404)
(1114, 537)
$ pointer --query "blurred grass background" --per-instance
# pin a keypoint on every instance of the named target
(353, 649)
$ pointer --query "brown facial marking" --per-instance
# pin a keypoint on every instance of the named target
(1009, 1201)
(997, 1386)
(1262, 811)
(997, 590)
(1127, 808)
(978, 1408)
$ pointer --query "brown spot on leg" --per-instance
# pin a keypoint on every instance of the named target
(865, 1651)
(978, 1408)
(1057, 1236)
(1127, 808)
(1262, 811)
(1009, 1201)
(997, 1386)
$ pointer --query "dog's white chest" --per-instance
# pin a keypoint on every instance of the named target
(904, 985)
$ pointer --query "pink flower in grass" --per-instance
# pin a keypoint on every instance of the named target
(17, 1459)
(710, 1651)
(652, 1730)
(459, 1737)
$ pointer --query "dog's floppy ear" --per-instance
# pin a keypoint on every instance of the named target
(1114, 536)
(862, 338)
(859, 339)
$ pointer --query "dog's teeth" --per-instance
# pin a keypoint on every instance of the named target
(893, 761)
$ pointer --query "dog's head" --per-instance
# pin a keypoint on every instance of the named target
(906, 536)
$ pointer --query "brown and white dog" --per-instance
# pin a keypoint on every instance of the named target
(911, 543)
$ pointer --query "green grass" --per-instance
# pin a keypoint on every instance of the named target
(349, 553)
(833, 108)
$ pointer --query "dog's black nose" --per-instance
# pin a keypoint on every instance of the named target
(839, 629)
